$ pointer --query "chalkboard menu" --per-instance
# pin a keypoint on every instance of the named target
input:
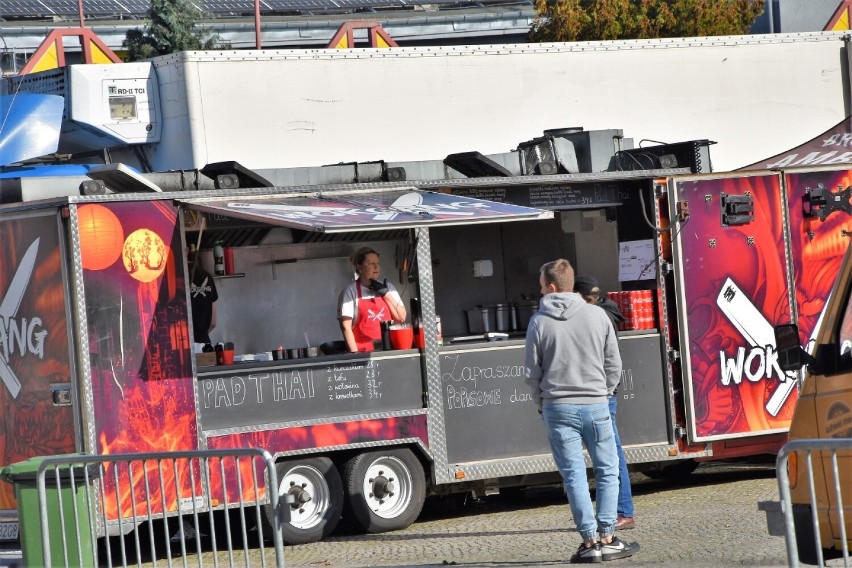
(488, 408)
(257, 394)
(555, 196)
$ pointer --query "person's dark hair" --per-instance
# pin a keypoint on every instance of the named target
(360, 254)
(560, 273)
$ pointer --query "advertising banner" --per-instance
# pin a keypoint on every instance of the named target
(34, 345)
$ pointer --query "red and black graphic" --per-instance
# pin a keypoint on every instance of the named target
(818, 241)
(339, 434)
(735, 290)
(139, 345)
(34, 345)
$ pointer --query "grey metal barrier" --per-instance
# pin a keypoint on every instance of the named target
(805, 449)
(186, 501)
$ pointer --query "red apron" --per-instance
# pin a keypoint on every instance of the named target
(367, 327)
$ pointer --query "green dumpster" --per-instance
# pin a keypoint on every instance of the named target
(77, 548)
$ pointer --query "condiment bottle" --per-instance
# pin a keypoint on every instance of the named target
(220, 354)
(386, 340)
(219, 259)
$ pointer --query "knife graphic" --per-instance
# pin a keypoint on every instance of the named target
(757, 331)
(9, 309)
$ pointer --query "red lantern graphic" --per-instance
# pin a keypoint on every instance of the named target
(101, 236)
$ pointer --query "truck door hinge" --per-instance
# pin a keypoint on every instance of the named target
(737, 209)
(673, 355)
(665, 268)
(820, 202)
(425, 400)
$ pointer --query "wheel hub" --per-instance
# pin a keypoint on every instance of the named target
(382, 486)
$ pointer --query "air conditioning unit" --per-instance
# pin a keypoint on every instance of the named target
(548, 155)
(693, 154)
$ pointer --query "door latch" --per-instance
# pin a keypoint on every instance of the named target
(821, 202)
(737, 209)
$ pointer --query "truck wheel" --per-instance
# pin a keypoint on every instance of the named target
(805, 535)
(675, 470)
(317, 491)
(385, 490)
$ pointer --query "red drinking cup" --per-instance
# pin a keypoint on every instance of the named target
(402, 336)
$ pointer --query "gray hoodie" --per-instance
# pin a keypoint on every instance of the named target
(571, 352)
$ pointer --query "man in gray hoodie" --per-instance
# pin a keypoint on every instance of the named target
(572, 365)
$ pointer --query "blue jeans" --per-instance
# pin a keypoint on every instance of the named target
(569, 427)
(625, 493)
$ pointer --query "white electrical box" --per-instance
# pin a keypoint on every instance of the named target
(483, 268)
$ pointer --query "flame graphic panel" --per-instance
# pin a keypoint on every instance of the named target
(817, 245)
(140, 352)
(34, 347)
(735, 287)
(309, 437)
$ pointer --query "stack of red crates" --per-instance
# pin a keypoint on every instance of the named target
(637, 306)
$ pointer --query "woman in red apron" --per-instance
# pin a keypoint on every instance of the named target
(366, 303)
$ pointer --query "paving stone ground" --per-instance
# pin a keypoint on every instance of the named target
(709, 518)
(706, 519)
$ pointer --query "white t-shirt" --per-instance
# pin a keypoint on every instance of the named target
(347, 304)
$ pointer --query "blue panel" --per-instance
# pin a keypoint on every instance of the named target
(31, 126)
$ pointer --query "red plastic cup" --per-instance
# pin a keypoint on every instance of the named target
(229, 260)
(402, 337)
(228, 357)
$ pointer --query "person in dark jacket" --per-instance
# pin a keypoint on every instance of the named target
(589, 288)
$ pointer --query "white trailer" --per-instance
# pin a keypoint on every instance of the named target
(754, 95)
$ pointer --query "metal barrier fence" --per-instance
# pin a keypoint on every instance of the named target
(806, 448)
(174, 499)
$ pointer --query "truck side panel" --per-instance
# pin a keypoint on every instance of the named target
(817, 245)
(35, 358)
(733, 288)
(488, 98)
(137, 340)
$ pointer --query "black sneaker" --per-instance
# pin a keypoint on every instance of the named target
(590, 555)
(618, 549)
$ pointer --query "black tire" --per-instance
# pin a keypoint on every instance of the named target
(675, 470)
(385, 490)
(316, 486)
(805, 535)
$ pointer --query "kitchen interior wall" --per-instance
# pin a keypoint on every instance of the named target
(516, 250)
(277, 303)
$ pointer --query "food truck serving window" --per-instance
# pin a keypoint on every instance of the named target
(336, 212)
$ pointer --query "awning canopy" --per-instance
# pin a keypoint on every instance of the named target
(832, 147)
(337, 212)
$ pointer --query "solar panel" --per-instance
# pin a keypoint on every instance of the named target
(103, 7)
(20, 8)
(61, 7)
(233, 7)
(139, 8)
